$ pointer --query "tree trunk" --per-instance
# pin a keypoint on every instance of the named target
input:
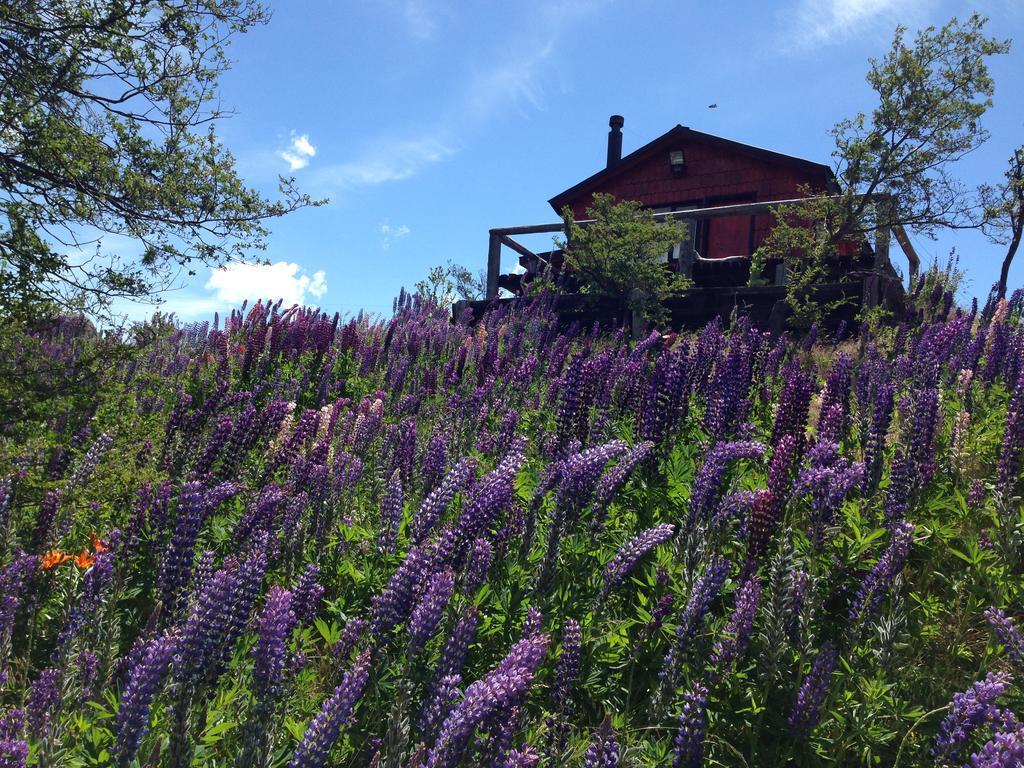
(1011, 250)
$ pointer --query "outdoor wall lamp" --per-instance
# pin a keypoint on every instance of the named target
(677, 161)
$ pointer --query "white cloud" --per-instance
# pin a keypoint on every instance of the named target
(389, 232)
(386, 161)
(236, 282)
(299, 152)
(820, 22)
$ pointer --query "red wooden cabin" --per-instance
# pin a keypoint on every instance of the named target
(684, 169)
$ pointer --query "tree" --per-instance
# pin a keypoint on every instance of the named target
(446, 284)
(1003, 214)
(894, 167)
(107, 127)
(621, 254)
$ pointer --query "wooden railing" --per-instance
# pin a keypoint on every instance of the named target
(502, 236)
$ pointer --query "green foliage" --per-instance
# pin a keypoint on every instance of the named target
(621, 254)
(107, 117)
(446, 284)
(894, 166)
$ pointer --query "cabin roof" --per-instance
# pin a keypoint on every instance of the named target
(681, 134)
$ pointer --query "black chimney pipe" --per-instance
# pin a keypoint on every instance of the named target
(615, 140)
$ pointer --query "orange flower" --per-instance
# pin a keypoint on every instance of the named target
(84, 560)
(53, 558)
(97, 545)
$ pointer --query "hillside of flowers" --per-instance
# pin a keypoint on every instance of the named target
(290, 539)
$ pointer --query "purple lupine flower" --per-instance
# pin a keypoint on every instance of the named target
(270, 654)
(813, 692)
(1011, 450)
(613, 479)
(1004, 750)
(195, 501)
(326, 725)
(88, 463)
(455, 650)
(144, 682)
(826, 488)
(13, 578)
(603, 751)
(307, 594)
(500, 690)
(890, 564)
(435, 459)
(391, 607)
(45, 518)
(526, 757)
(490, 498)
(13, 748)
(218, 619)
(349, 639)
(568, 668)
(881, 418)
(761, 524)
(391, 508)
(478, 567)
(703, 594)
(1007, 634)
(43, 699)
(794, 405)
(688, 750)
(427, 614)
(731, 647)
(922, 437)
(631, 552)
(969, 711)
(706, 485)
(455, 481)
(901, 484)
(532, 622)
(438, 704)
(578, 474)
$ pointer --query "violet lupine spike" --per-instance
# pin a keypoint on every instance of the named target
(1007, 634)
(13, 748)
(922, 437)
(526, 757)
(453, 656)
(270, 653)
(968, 711)
(144, 682)
(336, 711)
(391, 509)
(391, 607)
(195, 501)
(427, 614)
(613, 479)
(455, 481)
(813, 691)
(43, 699)
(688, 747)
(1004, 750)
(437, 705)
(349, 639)
(736, 635)
(632, 551)
(568, 668)
(706, 485)
(478, 566)
(873, 589)
(490, 498)
(498, 691)
(45, 518)
(307, 595)
(794, 405)
(603, 751)
(1011, 451)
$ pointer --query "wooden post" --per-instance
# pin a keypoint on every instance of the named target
(493, 264)
(686, 249)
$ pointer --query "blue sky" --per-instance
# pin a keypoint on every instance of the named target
(427, 122)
